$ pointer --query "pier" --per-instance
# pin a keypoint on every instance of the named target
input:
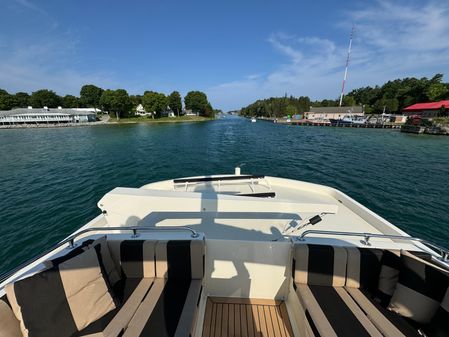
(341, 125)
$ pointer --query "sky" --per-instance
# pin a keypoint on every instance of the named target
(234, 51)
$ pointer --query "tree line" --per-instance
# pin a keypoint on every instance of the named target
(391, 97)
(117, 102)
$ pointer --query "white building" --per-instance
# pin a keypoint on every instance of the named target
(326, 113)
(45, 116)
(140, 111)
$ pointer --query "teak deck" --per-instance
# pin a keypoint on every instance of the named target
(235, 317)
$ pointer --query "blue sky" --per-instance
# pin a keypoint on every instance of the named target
(235, 51)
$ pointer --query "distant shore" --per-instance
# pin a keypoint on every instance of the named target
(149, 120)
(112, 121)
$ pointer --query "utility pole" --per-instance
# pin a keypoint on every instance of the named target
(347, 64)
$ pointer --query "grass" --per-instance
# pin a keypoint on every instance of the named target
(149, 120)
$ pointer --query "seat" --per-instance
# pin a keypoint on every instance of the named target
(335, 287)
(171, 305)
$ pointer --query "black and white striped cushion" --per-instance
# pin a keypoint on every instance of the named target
(363, 268)
(420, 289)
(439, 325)
(321, 265)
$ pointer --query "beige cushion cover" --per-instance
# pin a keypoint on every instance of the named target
(108, 263)
(9, 288)
(9, 325)
(85, 288)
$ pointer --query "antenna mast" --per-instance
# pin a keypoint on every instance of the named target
(347, 64)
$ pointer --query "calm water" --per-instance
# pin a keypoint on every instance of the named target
(51, 179)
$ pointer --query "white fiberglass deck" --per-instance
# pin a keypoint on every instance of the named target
(214, 209)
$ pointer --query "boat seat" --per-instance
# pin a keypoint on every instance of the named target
(342, 291)
(170, 307)
(111, 288)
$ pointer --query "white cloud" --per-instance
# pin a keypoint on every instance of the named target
(393, 40)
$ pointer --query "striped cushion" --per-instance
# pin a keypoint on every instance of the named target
(9, 325)
(331, 312)
(133, 258)
(388, 323)
(388, 276)
(363, 268)
(180, 259)
(320, 265)
(420, 290)
(68, 298)
(439, 325)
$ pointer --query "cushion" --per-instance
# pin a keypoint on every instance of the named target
(9, 325)
(133, 258)
(439, 325)
(105, 260)
(387, 322)
(420, 289)
(320, 265)
(180, 259)
(388, 276)
(68, 297)
(363, 267)
(333, 312)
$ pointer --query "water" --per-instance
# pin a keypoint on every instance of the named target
(51, 179)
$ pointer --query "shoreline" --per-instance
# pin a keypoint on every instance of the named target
(123, 121)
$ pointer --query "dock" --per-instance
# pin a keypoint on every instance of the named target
(341, 125)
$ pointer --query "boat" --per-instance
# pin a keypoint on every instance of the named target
(253, 120)
(348, 120)
(230, 255)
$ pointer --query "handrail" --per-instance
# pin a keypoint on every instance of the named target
(444, 253)
(71, 241)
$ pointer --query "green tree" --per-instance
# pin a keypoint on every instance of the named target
(154, 102)
(196, 101)
(291, 110)
(136, 100)
(45, 97)
(22, 99)
(90, 96)
(6, 100)
(116, 102)
(436, 91)
(174, 102)
(70, 101)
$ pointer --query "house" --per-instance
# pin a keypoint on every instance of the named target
(338, 112)
(140, 111)
(45, 116)
(431, 109)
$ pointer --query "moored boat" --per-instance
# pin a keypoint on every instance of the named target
(244, 255)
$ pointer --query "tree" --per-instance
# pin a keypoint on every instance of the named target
(70, 101)
(6, 100)
(45, 97)
(116, 101)
(174, 102)
(154, 102)
(196, 101)
(22, 99)
(136, 100)
(90, 95)
(436, 91)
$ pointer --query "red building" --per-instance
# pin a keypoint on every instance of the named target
(431, 109)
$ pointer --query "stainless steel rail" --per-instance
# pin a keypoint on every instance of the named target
(444, 253)
(71, 241)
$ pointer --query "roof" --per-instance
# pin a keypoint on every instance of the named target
(24, 111)
(337, 109)
(427, 106)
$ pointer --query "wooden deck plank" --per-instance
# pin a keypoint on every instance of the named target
(231, 318)
(234, 317)
(274, 321)
(286, 320)
(207, 318)
(243, 321)
(250, 320)
(218, 320)
(263, 322)
(237, 325)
